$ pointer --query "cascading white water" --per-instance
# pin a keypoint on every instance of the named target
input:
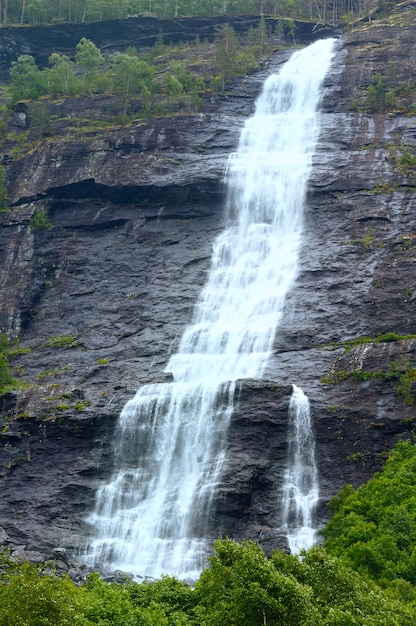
(300, 491)
(152, 517)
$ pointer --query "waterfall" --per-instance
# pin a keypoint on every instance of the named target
(300, 492)
(154, 514)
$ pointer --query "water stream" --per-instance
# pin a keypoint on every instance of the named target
(300, 492)
(152, 516)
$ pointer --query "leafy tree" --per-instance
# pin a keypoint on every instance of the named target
(243, 588)
(173, 86)
(61, 77)
(159, 603)
(26, 80)
(343, 596)
(89, 58)
(29, 598)
(177, 599)
(132, 76)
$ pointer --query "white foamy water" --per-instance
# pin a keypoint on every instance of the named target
(152, 517)
(300, 493)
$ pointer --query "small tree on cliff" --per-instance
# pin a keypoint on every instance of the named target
(89, 58)
(61, 76)
(26, 80)
(132, 76)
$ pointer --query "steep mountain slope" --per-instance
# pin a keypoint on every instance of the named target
(100, 300)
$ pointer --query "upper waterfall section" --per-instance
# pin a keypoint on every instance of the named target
(255, 259)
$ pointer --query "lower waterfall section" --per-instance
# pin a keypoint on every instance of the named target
(152, 517)
(301, 492)
(162, 504)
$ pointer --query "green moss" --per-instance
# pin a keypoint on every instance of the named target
(80, 406)
(366, 241)
(350, 344)
(384, 188)
(333, 408)
(355, 456)
(61, 341)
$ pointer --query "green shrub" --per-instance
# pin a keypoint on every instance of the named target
(40, 220)
(6, 376)
(4, 197)
(379, 98)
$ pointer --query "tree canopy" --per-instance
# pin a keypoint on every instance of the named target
(50, 11)
(241, 587)
(373, 528)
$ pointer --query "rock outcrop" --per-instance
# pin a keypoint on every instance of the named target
(100, 300)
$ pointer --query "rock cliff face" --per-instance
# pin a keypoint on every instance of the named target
(134, 212)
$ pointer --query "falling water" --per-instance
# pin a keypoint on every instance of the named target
(153, 515)
(300, 492)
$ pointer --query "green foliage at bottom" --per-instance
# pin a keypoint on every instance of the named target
(28, 598)
(242, 587)
(374, 527)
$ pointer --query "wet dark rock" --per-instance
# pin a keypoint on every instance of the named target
(248, 501)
